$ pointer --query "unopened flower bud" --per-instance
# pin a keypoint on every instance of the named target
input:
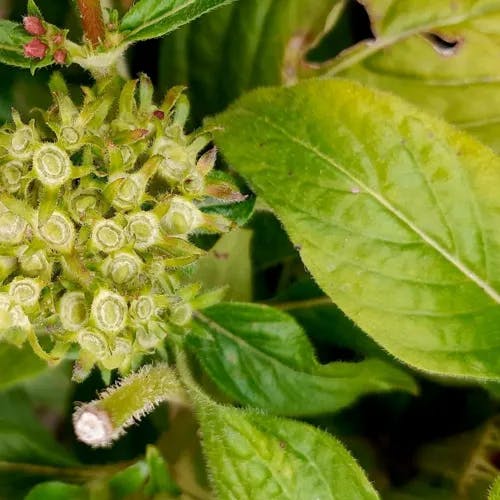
(34, 26)
(60, 56)
(35, 49)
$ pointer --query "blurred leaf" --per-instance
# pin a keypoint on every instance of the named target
(160, 480)
(262, 358)
(323, 321)
(129, 480)
(18, 364)
(338, 163)
(257, 457)
(495, 490)
(244, 45)
(54, 490)
(442, 56)
(12, 39)
(154, 18)
(228, 264)
(271, 245)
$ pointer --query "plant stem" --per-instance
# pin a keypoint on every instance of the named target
(92, 21)
(301, 304)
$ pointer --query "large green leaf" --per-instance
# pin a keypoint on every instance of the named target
(261, 357)
(441, 55)
(154, 18)
(396, 214)
(258, 457)
(241, 46)
(495, 490)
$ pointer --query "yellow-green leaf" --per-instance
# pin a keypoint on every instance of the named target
(396, 213)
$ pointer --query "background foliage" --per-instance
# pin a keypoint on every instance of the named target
(416, 434)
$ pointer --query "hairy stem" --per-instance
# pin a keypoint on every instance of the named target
(104, 420)
(92, 21)
(301, 304)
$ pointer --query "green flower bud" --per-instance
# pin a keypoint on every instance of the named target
(142, 308)
(143, 228)
(11, 175)
(35, 264)
(145, 338)
(109, 311)
(58, 232)
(94, 342)
(108, 236)
(182, 217)
(126, 193)
(21, 143)
(73, 311)
(70, 136)
(181, 314)
(51, 165)
(12, 227)
(7, 266)
(123, 267)
(25, 292)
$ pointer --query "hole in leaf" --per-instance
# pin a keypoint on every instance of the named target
(445, 46)
(352, 27)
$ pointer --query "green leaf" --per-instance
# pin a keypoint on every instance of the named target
(396, 214)
(154, 18)
(258, 457)
(262, 358)
(228, 264)
(54, 490)
(495, 490)
(18, 364)
(12, 39)
(439, 55)
(242, 46)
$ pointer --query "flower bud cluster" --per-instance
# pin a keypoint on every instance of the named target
(96, 208)
(47, 40)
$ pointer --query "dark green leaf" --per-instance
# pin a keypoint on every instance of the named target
(242, 46)
(261, 357)
(154, 18)
(396, 214)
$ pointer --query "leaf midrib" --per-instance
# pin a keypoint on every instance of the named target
(468, 273)
(162, 17)
(268, 358)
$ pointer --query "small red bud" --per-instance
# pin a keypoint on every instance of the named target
(58, 39)
(35, 49)
(60, 56)
(33, 25)
(159, 114)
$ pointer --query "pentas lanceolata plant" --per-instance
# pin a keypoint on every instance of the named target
(98, 201)
(96, 214)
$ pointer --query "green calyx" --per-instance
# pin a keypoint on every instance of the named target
(96, 208)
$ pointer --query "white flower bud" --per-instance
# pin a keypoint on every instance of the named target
(143, 228)
(11, 174)
(21, 143)
(109, 311)
(123, 268)
(73, 311)
(58, 232)
(25, 292)
(51, 165)
(182, 217)
(108, 236)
